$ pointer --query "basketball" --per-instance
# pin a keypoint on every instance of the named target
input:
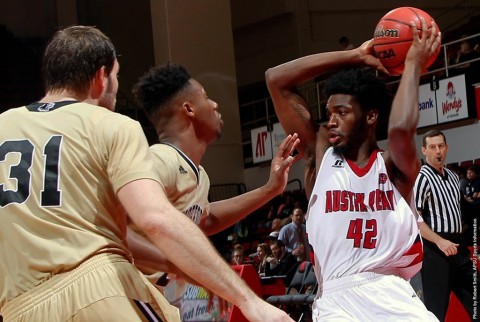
(393, 37)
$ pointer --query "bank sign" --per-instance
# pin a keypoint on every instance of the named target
(444, 101)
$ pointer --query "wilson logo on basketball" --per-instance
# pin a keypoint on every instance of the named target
(393, 36)
(390, 33)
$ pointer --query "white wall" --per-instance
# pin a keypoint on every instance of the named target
(198, 34)
(258, 176)
(463, 143)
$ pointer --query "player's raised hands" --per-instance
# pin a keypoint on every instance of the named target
(282, 162)
(367, 54)
(424, 45)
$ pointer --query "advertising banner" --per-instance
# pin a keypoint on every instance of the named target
(261, 144)
(443, 101)
(194, 302)
(427, 106)
(452, 99)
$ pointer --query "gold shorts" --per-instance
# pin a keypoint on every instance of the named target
(105, 287)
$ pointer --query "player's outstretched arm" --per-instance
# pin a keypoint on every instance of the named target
(225, 213)
(180, 240)
(404, 115)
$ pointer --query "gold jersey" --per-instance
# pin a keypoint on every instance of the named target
(186, 186)
(61, 165)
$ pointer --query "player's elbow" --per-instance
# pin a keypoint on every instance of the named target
(400, 135)
(271, 77)
(406, 124)
(154, 223)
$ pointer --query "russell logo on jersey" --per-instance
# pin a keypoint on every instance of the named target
(338, 164)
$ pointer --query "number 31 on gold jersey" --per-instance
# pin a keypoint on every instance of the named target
(20, 173)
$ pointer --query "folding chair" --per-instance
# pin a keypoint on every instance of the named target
(302, 303)
(300, 295)
(295, 284)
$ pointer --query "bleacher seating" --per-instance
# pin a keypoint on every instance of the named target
(466, 163)
(300, 294)
(463, 164)
(452, 165)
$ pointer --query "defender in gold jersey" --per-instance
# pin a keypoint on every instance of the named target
(69, 169)
(187, 122)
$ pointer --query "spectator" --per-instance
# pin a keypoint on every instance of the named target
(461, 173)
(294, 236)
(238, 258)
(240, 230)
(467, 53)
(345, 43)
(286, 208)
(470, 68)
(263, 252)
(471, 205)
(472, 190)
(281, 262)
(275, 230)
(238, 246)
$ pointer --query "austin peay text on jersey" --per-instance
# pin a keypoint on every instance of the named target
(344, 200)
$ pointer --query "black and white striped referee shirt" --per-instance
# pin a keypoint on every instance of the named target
(438, 198)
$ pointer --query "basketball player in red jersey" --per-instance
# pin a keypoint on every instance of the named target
(364, 234)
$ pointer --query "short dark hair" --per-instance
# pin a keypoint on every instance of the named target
(369, 90)
(431, 134)
(159, 85)
(475, 168)
(73, 57)
(238, 250)
(277, 242)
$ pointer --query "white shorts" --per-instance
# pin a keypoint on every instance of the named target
(369, 297)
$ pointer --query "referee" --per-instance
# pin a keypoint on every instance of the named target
(446, 265)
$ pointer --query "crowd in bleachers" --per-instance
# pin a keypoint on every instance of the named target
(469, 174)
(258, 227)
(261, 240)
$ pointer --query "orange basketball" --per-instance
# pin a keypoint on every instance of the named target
(393, 37)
